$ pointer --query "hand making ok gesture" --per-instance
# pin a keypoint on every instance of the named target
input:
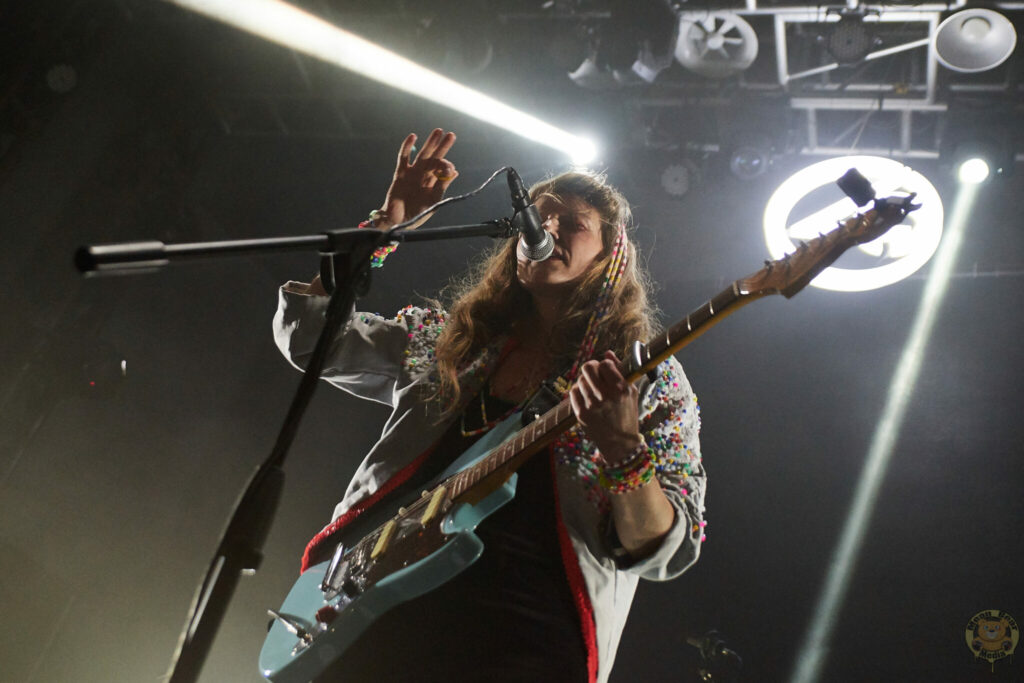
(418, 183)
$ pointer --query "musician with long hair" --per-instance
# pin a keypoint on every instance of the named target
(616, 498)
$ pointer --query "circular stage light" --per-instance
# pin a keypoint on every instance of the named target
(902, 250)
(973, 171)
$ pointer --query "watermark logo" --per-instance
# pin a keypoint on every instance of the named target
(992, 635)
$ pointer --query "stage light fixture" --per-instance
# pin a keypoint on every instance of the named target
(974, 40)
(583, 152)
(977, 159)
(850, 40)
(749, 161)
(973, 171)
(294, 28)
(906, 247)
(632, 47)
(679, 178)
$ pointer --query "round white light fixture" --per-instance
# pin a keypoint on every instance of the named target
(905, 248)
(973, 171)
(679, 178)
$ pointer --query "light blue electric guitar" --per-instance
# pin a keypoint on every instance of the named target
(431, 539)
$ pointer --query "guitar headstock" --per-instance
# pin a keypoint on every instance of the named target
(793, 272)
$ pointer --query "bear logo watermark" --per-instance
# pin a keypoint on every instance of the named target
(992, 635)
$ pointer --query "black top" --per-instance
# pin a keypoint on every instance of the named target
(508, 617)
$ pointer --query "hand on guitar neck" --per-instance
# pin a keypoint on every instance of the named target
(607, 407)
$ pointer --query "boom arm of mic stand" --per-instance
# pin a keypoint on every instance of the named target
(125, 258)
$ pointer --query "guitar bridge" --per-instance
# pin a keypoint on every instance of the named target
(332, 568)
(338, 580)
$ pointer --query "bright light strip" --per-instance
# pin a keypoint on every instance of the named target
(917, 244)
(294, 28)
(815, 648)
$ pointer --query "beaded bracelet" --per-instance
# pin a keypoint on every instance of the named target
(630, 474)
(380, 253)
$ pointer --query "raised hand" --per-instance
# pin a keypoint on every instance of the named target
(418, 183)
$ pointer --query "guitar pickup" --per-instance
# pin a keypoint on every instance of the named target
(434, 506)
(383, 540)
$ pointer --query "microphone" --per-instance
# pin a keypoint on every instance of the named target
(535, 242)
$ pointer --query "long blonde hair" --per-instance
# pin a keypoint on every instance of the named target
(491, 302)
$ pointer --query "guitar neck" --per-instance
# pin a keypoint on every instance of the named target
(475, 482)
(646, 358)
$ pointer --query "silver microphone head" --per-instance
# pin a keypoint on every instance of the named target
(539, 252)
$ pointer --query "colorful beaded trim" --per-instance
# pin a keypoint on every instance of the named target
(670, 418)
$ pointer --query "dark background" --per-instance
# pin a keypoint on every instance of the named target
(114, 486)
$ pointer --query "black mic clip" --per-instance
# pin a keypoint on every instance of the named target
(536, 243)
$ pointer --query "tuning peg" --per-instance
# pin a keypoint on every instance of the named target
(908, 203)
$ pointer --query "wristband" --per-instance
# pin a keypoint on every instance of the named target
(380, 253)
(630, 474)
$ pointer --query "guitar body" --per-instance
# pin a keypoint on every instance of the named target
(417, 558)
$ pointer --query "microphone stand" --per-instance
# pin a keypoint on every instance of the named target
(346, 264)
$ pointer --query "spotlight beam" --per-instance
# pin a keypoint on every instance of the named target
(287, 25)
(814, 651)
